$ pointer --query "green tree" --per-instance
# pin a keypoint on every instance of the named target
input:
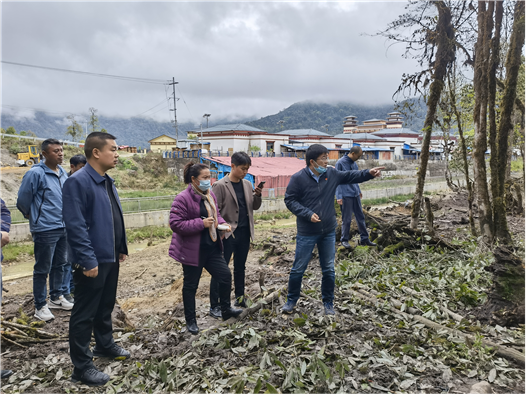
(10, 130)
(93, 120)
(23, 132)
(103, 130)
(74, 129)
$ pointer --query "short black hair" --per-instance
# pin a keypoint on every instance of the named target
(314, 151)
(96, 140)
(78, 159)
(192, 170)
(240, 159)
(49, 141)
(356, 149)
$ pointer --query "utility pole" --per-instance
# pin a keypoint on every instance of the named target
(204, 116)
(175, 113)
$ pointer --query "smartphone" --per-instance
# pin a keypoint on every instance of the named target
(261, 184)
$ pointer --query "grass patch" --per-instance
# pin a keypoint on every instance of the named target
(12, 251)
(151, 193)
(516, 165)
(272, 216)
(150, 232)
(387, 200)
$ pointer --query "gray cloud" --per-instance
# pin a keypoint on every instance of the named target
(231, 59)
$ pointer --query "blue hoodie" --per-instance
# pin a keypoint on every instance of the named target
(5, 225)
(40, 198)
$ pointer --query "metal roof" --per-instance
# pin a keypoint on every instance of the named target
(402, 130)
(359, 136)
(232, 127)
(296, 147)
(303, 132)
(374, 120)
(268, 166)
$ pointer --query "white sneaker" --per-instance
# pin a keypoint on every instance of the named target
(44, 313)
(61, 303)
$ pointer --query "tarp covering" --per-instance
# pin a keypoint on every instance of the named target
(275, 171)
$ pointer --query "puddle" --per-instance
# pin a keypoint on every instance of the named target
(137, 246)
(277, 223)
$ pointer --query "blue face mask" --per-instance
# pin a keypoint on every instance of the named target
(204, 185)
(320, 169)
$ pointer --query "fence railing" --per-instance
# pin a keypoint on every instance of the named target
(129, 205)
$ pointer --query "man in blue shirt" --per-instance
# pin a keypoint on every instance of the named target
(349, 197)
(40, 201)
(310, 197)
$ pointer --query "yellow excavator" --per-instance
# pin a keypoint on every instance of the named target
(30, 157)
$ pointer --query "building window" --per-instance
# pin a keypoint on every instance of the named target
(270, 146)
(338, 146)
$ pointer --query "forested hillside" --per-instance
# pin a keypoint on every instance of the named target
(138, 131)
(311, 115)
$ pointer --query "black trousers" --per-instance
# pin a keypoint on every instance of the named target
(239, 246)
(213, 261)
(94, 302)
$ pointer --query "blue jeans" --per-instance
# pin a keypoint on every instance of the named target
(68, 286)
(50, 259)
(304, 247)
(350, 206)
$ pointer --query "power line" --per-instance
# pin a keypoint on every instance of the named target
(119, 77)
(156, 105)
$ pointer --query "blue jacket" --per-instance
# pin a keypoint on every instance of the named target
(347, 190)
(89, 219)
(5, 220)
(305, 196)
(40, 198)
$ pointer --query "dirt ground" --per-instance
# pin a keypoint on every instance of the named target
(150, 297)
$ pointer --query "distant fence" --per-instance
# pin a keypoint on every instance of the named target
(129, 205)
(195, 154)
(26, 137)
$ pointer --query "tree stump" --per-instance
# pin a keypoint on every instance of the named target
(505, 304)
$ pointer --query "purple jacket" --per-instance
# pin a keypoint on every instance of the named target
(187, 225)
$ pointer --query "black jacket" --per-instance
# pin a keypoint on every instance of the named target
(305, 196)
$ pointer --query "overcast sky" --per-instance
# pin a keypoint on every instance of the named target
(230, 59)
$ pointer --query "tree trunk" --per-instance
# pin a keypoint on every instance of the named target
(480, 145)
(492, 89)
(445, 54)
(513, 63)
(464, 148)
(505, 304)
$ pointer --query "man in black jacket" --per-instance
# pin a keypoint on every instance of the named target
(310, 196)
(97, 239)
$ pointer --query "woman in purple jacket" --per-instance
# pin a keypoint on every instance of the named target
(196, 242)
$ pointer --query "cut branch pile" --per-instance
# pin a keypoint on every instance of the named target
(22, 335)
(397, 235)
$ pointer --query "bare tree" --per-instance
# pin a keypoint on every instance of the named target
(513, 64)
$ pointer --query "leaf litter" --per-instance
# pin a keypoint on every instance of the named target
(364, 348)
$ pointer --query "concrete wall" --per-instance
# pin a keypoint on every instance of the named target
(20, 232)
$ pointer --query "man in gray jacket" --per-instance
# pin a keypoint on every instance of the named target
(40, 201)
(236, 202)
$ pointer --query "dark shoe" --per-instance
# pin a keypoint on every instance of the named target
(91, 377)
(69, 298)
(192, 327)
(346, 245)
(231, 312)
(367, 243)
(115, 352)
(240, 301)
(215, 312)
(6, 373)
(328, 308)
(288, 308)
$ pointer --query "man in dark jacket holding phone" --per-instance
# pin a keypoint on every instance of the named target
(310, 196)
(97, 239)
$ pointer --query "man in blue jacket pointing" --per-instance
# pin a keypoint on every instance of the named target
(310, 196)
(97, 240)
